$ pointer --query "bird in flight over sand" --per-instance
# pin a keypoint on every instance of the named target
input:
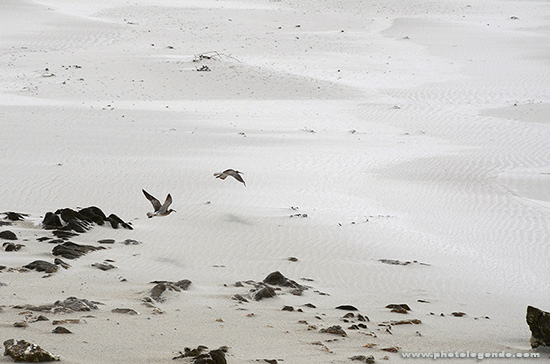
(160, 210)
(230, 172)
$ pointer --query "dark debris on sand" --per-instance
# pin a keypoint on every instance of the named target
(200, 356)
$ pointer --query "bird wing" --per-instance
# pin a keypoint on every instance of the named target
(237, 176)
(220, 175)
(166, 204)
(154, 201)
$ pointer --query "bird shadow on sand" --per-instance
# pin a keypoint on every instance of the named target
(236, 219)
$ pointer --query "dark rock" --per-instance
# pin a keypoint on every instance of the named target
(263, 292)
(365, 359)
(362, 318)
(458, 314)
(23, 351)
(94, 214)
(8, 235)
(347, 308)
(44, 238)
(71, 250)
(401, 322)
(213, 357)
(335, 330)
(51, 221)
(116, 221)
(61, 263)
(293, 259)
(42, 266)
(131, 242)
(240, 298)
(103, 266)
(399, 305)
(391, 349)
(271, 361)
(106, 241)
(310, 305)
(399, 308)
(277, 279)
(11, 247)
(15, 216)
(64, 234)
(539, 324)
(66, 321)
(22, 324)
(127, 311)
(161, 286)
(61, 330)
(288, 308)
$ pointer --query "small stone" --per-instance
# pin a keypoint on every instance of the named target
(365, 359)
(335, 330)
(293, 259)
(131, 242)
(400, 306)
(66, 321)
(288, 308)
(347, 308)
(61, 330)
(458, 314)
(106, 241)
(391, 349)
(103, 266)
(20, 324)
(127, 311)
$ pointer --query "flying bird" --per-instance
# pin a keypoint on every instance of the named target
(230, 172)
(160, 210)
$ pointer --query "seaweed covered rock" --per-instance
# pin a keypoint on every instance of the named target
(23, 351)
(539, 323)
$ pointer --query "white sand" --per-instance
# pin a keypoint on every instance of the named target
(404, 129)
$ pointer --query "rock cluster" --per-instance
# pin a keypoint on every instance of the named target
(70, 304)
(80, 221)
(265, 288)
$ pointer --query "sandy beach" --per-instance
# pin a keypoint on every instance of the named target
(394, 152)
